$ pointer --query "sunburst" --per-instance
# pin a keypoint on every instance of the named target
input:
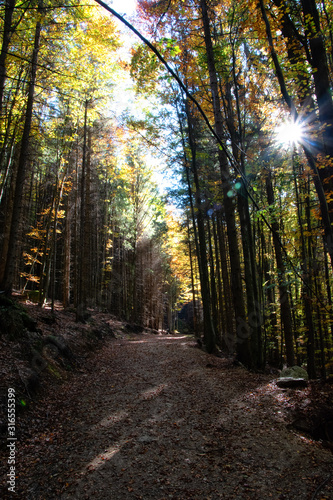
(289, 133)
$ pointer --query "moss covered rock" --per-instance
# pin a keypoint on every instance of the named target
(295, 372)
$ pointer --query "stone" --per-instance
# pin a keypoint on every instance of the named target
(291, 382)
(61, 344)
(14, 320)
(146, 439)
(51, 351)
(295, 372)
(30, 379)
(49, 319)
(29, 322)
(133, 328)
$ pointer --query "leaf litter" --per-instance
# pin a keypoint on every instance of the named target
(151, 416)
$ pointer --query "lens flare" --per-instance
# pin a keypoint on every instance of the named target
(289, 133)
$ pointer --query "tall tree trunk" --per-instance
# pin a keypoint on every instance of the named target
(7, 27)
(320, 74)
(11, 126)
(7, 279)
(48, 250)
(187, 168)
(270, 297)
(212, 280)
(228, 337)
(191, 257)
(220, 329)
(285, 309)
(306, 271)
(243, 328)
(82, 290)
(254, 313)
(67, 257)
(307, 292)
(209, 332)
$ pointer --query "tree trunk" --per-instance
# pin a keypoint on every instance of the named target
(320, 74)
(67, 257)
(254, 313)
(220, 329)
(243, 328)
(229, 327)
(7, 27)
(6, 280)
(307, 292)
(285, 309)
(209, 332)
(191, 257)
(82, 290)
(212, 280)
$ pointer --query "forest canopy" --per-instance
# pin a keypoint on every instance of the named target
(242, 119)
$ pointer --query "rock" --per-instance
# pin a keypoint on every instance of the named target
(30, 379)
(49, 319)
(291, 382)
(134, 328)
(37, 362)
(14, 319)
(29, 322)
(61, 344)
(146, 439)
(97, 333)
(5, 301)
(101, 332)
(51, 351)
(302, 425)
(294, 372)
(108, 331)
(294, 376)
(11, 323)
(33, 336)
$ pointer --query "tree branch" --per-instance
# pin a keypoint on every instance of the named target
(170, 70)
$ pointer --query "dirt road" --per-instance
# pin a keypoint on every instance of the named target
(156, 418)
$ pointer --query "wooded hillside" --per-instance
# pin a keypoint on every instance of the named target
(243, 120)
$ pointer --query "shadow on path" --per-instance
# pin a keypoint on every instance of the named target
(156, 418)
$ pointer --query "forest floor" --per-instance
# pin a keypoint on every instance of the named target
(148, 416)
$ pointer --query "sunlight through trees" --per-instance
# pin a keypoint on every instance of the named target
(236, 105)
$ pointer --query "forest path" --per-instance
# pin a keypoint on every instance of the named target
(156, 418)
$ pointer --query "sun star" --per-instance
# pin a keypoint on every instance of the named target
(289, 133)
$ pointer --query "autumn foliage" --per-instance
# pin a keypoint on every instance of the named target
(248, 244)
